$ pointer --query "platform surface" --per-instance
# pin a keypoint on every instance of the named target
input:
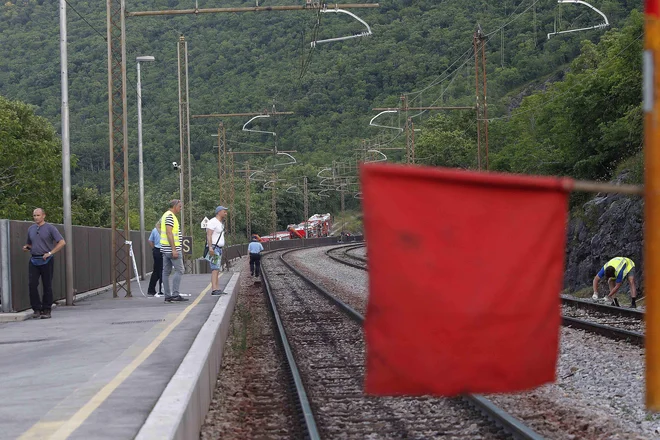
(96, 370)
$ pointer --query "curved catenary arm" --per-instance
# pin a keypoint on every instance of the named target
(293, 160)
(384, 126)
(598, 26)
(382, 159)
(258, 131)
(361, 34)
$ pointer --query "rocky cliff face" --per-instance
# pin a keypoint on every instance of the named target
(607, 226)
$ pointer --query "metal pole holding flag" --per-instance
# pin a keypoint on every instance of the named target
(137, 274)
(652, 201)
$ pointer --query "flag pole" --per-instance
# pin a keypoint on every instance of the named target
(652, 201)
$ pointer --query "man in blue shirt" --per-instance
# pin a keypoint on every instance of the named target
(615, 271)
(254, 249)
(157, 274)
(43, 241)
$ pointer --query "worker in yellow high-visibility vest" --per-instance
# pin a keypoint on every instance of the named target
(170, 247)
(615, 271)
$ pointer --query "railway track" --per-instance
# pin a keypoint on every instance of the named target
(617, 323)
(584, 315)
(323, 341)
(342, 255)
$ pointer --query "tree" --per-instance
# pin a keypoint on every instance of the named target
(30, 163)
(447, 142)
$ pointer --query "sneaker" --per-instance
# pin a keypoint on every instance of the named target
(185, 294)
(615, 303)
(594, 297)
(36, 314)
(159, 295)
(45, 314)
(151, 293)
(177, 298)
(216, 292)
(633, 306)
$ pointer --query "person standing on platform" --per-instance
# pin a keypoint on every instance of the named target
(170, 248)
(615, 271)
(215, 240)
(157, 274)
(254, 249)
(43, 241)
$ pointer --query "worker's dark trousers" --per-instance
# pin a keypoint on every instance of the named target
(157, 274)
(255, 264)
(46, 273)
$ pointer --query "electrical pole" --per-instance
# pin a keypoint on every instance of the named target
(222, 158)
(184, 143)
(306, 205)
(273, 207)
(410, 142)
(343, 205)
(231, 217)
(248, 226)
(248, 220)
(479, 43)
(118, 141)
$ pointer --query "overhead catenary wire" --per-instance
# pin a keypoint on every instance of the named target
(469, 50)
(488, 37)
(105, 38)
(569, 90)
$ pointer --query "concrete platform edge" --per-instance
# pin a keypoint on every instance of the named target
(181, 409)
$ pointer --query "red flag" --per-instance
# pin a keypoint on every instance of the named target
(652, 8)
(465, 271)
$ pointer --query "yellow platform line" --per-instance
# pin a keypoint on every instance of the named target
(66, 428)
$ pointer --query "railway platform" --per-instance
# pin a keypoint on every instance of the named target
(115, 368)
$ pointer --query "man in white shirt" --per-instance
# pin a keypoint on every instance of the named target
(215, 240)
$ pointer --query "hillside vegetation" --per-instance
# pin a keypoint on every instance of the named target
(582, 116)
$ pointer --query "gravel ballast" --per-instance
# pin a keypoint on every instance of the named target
(251, 398)
(599, 392)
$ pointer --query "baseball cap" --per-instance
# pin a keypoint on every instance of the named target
(220, 208)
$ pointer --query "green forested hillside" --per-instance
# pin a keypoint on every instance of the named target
(251, 61)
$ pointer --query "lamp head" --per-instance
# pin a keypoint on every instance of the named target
(145, 59)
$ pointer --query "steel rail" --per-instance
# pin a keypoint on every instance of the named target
(604, 330)
(592, 327)
(603, 308)
(348, 263)
(500, 417)
(355, 257)
(350, 311)
(301, 394)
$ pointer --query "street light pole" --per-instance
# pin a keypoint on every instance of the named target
(66, 158)
(143, 244)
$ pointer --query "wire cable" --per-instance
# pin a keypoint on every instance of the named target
(85, 20)
(569, 90)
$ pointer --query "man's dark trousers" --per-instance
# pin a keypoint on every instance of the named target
(46, 273)
(255, 264)
(157, 274)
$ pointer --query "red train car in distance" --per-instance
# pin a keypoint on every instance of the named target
(318, 225)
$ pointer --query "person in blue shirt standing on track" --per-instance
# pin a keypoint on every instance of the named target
(615, 271)
(254, 249)
(157, 274)
(43, 240)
